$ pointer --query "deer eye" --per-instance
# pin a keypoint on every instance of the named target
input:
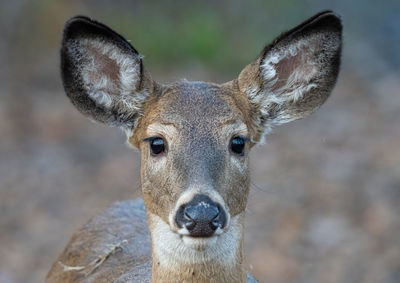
(237, 145)
(157, 145)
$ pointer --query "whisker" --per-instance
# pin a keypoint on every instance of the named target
(260, 189)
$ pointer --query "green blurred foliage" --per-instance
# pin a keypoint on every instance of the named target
(219, 36)
(222, 36)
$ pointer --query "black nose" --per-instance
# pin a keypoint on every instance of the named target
(201, 216)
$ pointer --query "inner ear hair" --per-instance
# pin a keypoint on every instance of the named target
(295, 74)
(103, 73)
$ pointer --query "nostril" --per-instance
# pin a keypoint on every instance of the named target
(186, 215)
(217, 222)
(189, 223)
(181, 217)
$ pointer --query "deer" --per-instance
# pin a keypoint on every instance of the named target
(194, 139)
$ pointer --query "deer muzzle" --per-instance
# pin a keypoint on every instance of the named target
(201, 216)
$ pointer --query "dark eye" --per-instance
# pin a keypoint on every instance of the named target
(237, 145)
(157, 146)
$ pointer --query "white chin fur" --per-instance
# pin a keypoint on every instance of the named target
(199, 244)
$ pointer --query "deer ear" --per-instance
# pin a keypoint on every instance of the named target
(295, 74)
(103, 74)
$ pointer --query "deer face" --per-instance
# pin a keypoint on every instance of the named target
(194, 137)
(194, 142)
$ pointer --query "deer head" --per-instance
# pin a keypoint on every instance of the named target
(195, 137)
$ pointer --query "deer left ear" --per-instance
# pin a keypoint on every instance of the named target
(295, 74)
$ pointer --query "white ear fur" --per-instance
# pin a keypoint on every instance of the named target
(295, 74)
(277, 91)
(103, 74)
(100, 87)
(105, 91)
(299, 81)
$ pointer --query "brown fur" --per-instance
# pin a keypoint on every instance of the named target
(197, 121)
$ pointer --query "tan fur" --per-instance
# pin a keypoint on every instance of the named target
(197, 121)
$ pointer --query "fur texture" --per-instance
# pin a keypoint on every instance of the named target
(103, 74)
(216, 259)
(295, 74)
(104, 77)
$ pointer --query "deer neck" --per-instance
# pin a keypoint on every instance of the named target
(219, 259)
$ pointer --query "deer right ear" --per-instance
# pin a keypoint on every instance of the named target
(103, 74)
(295, 74)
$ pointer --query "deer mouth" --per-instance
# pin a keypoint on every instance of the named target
(199, 243)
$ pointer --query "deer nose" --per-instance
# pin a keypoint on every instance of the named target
(201, 216)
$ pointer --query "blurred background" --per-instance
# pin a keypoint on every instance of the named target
(325, 200)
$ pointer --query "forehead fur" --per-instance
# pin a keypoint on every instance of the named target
(199, 105)
(192, 102)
